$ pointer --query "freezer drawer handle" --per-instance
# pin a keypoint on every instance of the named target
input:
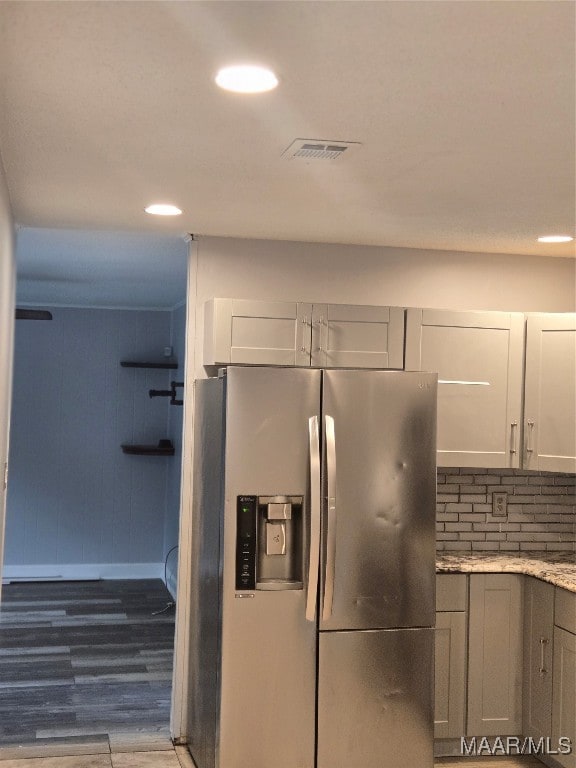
(330, 571)
(315, 494)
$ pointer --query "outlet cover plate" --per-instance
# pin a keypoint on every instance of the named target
(499, 504)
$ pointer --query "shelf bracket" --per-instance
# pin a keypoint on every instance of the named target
(171, 393)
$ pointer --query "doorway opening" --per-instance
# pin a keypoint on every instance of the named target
(93, 505)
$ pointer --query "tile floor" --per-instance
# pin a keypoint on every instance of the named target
(174, 758)
(180, 758)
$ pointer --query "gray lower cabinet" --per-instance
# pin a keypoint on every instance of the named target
(450, 656)
(505, 663)
(538, 646)
(564, 675)
(450, 675)
(495, 655)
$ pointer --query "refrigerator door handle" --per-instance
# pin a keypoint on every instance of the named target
(330, 565)
(315, 509)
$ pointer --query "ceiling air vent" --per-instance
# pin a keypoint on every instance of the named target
(319, 149)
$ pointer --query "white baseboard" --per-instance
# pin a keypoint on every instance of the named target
(81, 572)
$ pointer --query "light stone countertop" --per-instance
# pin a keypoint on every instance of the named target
(558, 568)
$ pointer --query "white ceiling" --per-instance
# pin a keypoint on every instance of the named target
(465, 111)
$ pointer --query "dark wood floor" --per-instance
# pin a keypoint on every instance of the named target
(84, 659)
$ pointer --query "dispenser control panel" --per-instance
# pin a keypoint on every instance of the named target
(269, 543)
(246, 514)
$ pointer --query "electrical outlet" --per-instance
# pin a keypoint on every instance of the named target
(499, 504)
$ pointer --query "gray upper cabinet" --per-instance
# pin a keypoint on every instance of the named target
(550, 393)
(352, 336)
(256, 332)
(296, 333)
(478, 357)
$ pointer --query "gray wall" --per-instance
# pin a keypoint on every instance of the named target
(7, 292)
(77, 505)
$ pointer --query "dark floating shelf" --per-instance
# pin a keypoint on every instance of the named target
(164, 448)
(131, 364)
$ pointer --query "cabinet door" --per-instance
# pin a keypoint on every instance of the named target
(450, 675)
(550, 393)
(538, 640)
(451, 592)
(256, 332)
(348, 336)
(564, 694)
(495, 655)
(478, 358)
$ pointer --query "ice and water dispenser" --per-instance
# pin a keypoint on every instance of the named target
(269, 542)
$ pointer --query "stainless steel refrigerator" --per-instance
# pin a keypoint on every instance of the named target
(311, 643)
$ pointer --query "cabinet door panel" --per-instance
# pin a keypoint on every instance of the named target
(495, 655)
(450, 675)
(565, 610)
(538, 640)
(270, 336)
(550, 393)
(564, 696)
(349, 336)
(451, 592)
(256, 332)
(478, 357)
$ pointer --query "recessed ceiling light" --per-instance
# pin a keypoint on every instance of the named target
(163, 209)
(555, 239)
(246, 79)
